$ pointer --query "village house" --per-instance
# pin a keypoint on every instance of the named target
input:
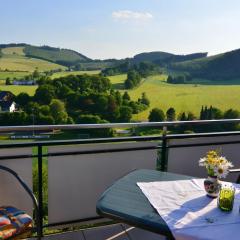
(6, 102)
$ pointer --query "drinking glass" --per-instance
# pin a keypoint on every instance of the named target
(226, 198)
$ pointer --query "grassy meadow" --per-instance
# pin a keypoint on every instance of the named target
(30, 90)
(118, 81)
(13, 51)
(183, 97)
(17, 62)
(11, 75)
(14, 59)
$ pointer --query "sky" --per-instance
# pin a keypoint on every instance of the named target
(103, 29)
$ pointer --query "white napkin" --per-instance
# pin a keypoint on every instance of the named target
(189, 213)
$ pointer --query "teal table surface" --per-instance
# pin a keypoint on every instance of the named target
(125, 202)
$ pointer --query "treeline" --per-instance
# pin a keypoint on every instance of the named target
(75, 99)
(206, 113)
(179, 79)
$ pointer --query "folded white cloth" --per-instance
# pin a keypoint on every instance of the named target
(189, 213)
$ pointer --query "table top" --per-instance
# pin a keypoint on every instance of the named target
(125, 202)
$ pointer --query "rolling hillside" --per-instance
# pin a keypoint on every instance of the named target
(64, 57)
(58, 56)
(14, 59)
(224, 66)
(163, 58)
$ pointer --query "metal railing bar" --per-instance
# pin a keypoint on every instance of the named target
(113, 125)
(202, 144)
(82, 141)
(201, 135)
(115, 139)
(80, 152)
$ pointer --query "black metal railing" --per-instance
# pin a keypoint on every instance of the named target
(162, 147)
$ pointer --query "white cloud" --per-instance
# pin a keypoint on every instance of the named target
(126, 15)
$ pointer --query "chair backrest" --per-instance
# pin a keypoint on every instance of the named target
(184, 160)
(11, 192)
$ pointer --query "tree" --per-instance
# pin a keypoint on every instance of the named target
(144, 100)
(126, 96)
(182, 116)
(171, 114)
(231, 114)
(35, 74)
(202, 114)
(118, 98)
(125, 114)
(23, 99)
(112, 109)
(133, 79)
(44, 94)
(156, 115)
(8, 81)
(58, 111)
(217, 113)
(191, 116)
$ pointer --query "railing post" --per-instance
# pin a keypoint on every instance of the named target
(40, 192)
(164, 150)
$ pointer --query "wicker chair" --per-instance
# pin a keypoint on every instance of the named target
(14, 223)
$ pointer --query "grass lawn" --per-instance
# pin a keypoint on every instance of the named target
(183, 97)
(30, 90)
(64, 74)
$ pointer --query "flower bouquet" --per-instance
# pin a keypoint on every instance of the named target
(217, 167)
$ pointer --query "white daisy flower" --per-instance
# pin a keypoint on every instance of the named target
(221, 171)
(202, 162)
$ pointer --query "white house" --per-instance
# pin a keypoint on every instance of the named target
(7, 106)
(6, 102)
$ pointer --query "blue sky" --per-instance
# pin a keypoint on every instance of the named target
(122, 28)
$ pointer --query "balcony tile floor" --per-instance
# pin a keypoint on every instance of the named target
(111, 232)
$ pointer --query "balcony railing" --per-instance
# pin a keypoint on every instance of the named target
(69, 175)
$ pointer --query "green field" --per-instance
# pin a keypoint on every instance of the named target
(13, 50)
(118, 81)
(183, 97)
(13, 59)
(64, 74)
(11, 75)
(30, 90)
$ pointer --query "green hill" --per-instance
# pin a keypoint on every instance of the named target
(164, 58)
(14, 59)
(59, 56)
(224, 66)
(64, 57)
